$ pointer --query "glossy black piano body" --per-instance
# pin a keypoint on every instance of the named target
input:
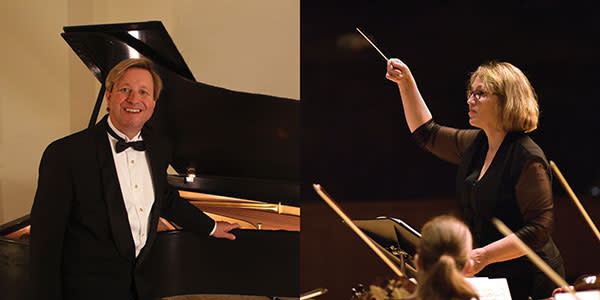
(14, 259)
(236, 144)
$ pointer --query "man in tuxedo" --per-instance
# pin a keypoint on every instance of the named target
(99, 197)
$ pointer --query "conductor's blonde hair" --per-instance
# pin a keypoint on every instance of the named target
(518, 104)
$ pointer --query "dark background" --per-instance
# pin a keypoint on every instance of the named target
(356, 142)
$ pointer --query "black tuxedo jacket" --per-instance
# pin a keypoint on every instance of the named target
(81, 243)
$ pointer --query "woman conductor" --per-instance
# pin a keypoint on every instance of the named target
(502, 173)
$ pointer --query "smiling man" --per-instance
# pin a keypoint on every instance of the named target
(131, 97)
(100, 194)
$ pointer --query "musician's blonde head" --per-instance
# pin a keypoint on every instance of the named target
(443, 253)
(143, 63)
(518, 104)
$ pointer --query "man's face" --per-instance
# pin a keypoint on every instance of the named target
(131, 101)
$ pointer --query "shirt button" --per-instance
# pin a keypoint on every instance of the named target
(135, 186)
(141, 209)
(132, 161)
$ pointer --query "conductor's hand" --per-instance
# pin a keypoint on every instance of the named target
(480, 261)
(223, 228)
(397, 71)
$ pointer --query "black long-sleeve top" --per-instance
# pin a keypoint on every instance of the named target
(528, 190)
(515, 189)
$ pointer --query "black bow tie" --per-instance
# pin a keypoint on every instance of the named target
(122, 144)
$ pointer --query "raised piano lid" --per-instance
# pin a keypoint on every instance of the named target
(95, 45)
(237, 144)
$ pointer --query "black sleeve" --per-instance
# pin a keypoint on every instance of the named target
(444, 142)
(49, 218)
(534, 197)
(178, 210)
(184, 214)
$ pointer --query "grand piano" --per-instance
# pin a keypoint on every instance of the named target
(236, 157)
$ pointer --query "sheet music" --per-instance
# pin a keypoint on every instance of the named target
(490, 288)
(585, 295)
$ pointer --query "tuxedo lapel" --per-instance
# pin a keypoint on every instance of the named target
(117, 214)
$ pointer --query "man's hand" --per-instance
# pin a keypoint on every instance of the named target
(222, 230)
(480, 261)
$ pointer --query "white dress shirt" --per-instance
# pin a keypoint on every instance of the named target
(135, 179)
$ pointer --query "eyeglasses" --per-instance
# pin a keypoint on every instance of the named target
(477, 94)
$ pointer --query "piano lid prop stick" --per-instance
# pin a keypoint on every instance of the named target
(543, 266)
(357, 230)
(368, 40)
(575, 199)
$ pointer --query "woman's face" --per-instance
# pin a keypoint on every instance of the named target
(484, 112)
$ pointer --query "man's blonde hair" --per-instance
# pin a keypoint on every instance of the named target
(143, 63)
(518, 104)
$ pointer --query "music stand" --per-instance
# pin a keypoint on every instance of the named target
(397, 238)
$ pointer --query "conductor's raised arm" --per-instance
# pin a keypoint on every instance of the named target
(415, 109)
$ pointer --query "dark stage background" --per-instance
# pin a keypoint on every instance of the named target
(356, 142)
